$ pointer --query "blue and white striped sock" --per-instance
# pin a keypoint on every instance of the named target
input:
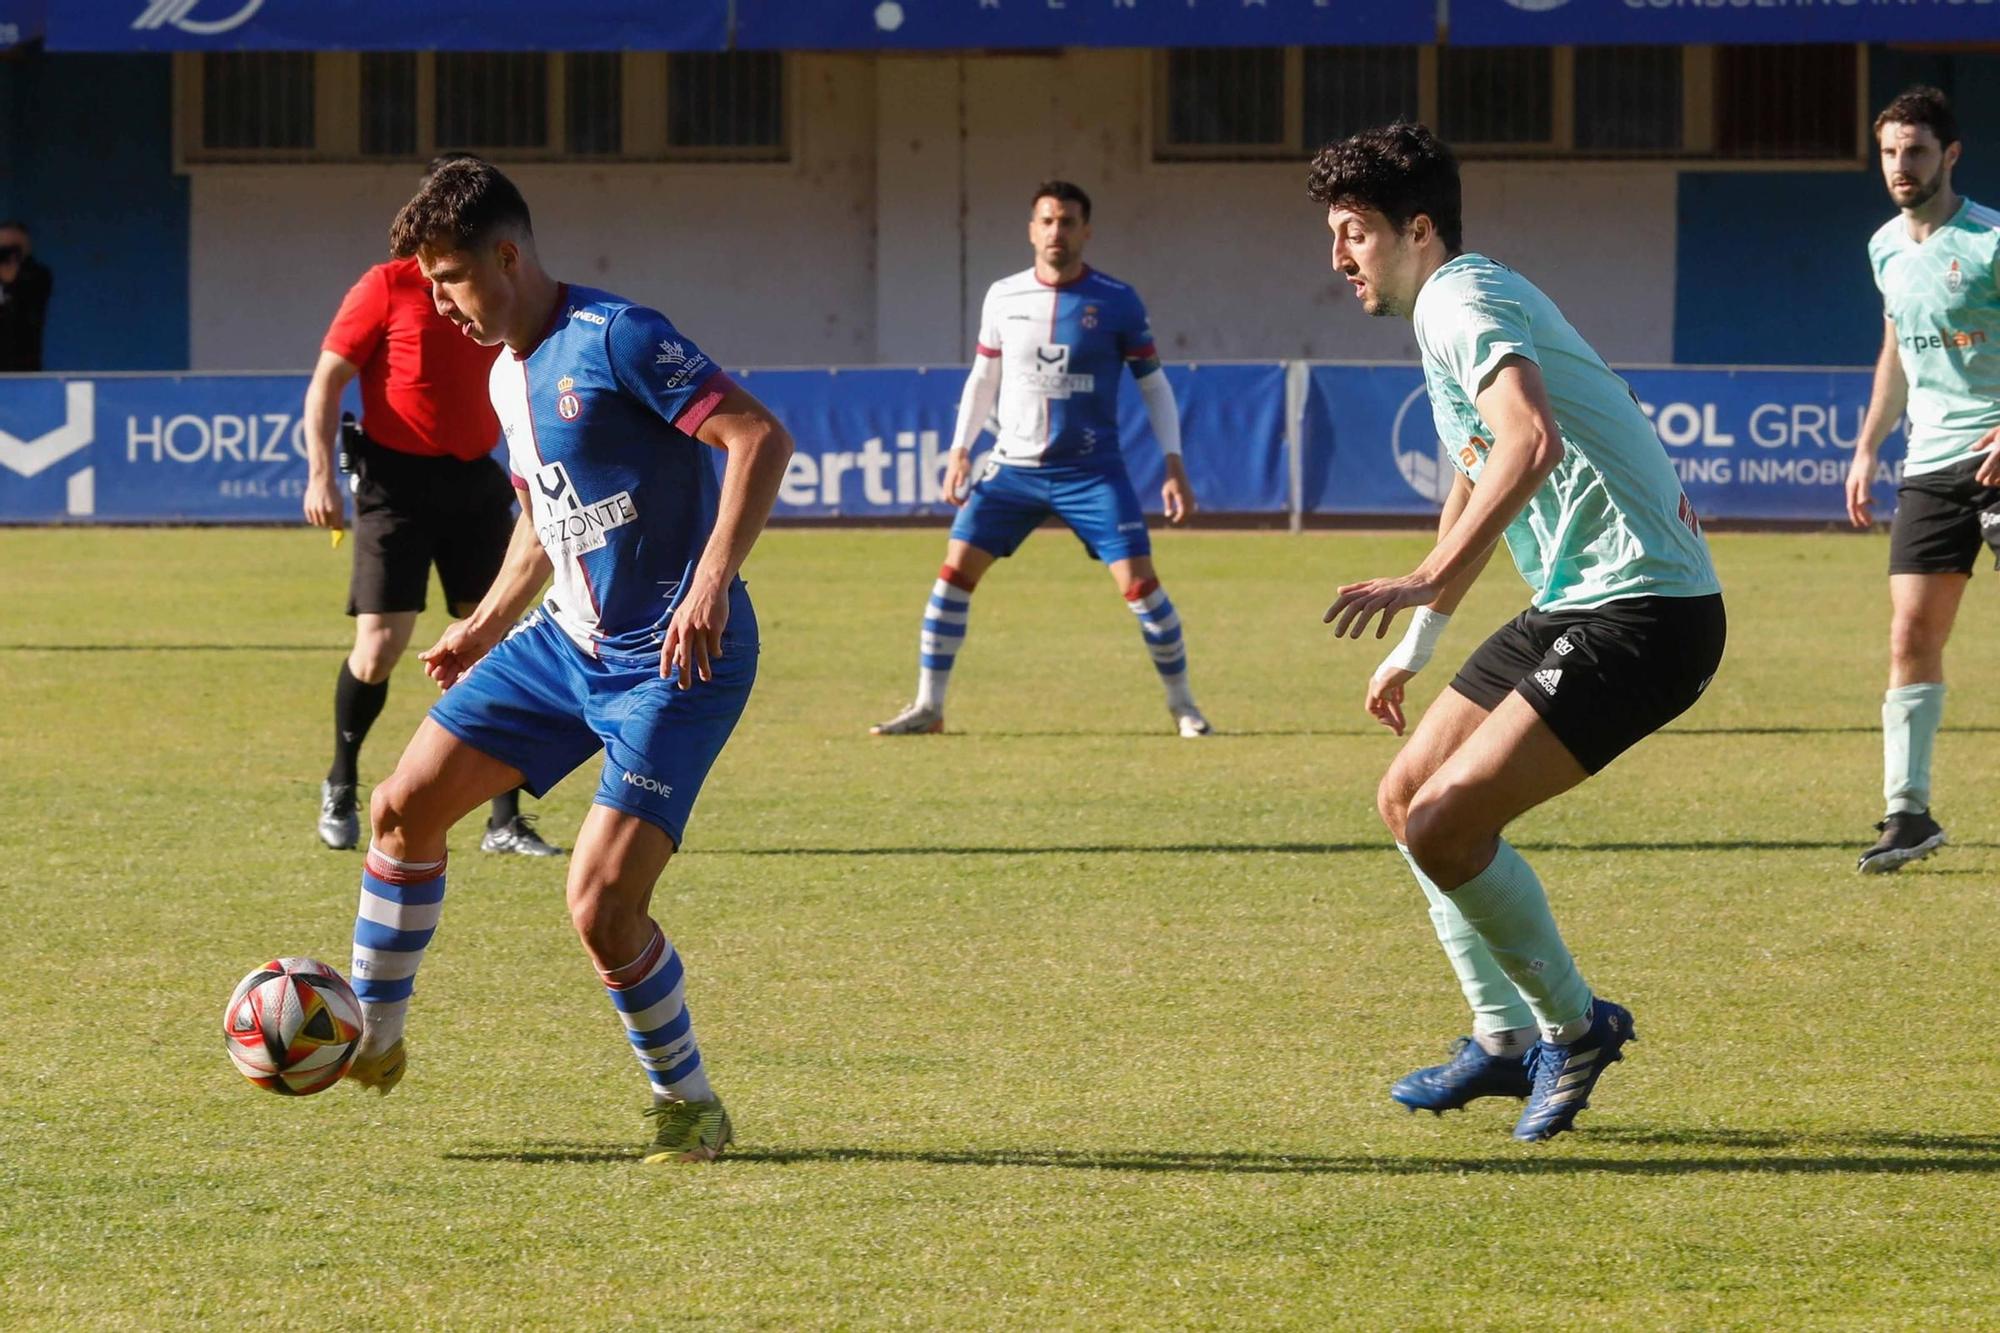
(944, 634)
(649, 994)
(400, 903)
(1161, 625)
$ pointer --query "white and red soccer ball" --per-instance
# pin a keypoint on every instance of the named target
(292, 1026)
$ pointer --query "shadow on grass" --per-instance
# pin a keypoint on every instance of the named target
(1745, 1152)
(1376, 847)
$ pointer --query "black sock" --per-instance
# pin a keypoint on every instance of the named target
(505, 807)
(356, 705)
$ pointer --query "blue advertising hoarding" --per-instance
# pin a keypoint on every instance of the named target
(943, 24)
(22, 21)
(1720, 22)
(1748, 444)
(388, 25)
(871, 443)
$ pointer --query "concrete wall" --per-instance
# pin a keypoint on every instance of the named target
(86, 160)
(909, 193)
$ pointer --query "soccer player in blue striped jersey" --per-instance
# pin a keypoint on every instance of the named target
(1054, 343)
(1623, 633)
(1937, 264)
(644, 650)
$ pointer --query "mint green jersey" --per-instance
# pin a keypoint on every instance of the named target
(1943, 296)
(1611, 520)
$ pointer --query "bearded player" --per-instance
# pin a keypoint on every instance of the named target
(1935, 265)
(1624, 631)
(1054, 341)
(644, 650)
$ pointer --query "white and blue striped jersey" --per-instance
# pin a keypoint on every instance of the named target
(600, 417)
(1061, 349)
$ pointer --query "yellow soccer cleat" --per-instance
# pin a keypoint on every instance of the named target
(380, 1072)
(689, 1131)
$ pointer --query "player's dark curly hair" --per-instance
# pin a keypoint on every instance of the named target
(461, 203)
(1064, 192)
(1400, 170)
(1921, 105)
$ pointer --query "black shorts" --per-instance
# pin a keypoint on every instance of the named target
(1942, 519)
(1606, 678)
(412, 512)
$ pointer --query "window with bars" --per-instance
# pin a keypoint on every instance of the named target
(1768, 103)
(407, 106)
(257, 101)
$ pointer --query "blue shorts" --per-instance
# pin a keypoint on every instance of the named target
(1098, 504)
(540, 704)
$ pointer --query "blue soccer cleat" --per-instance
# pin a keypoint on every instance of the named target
(1469, 1075)
(1564, 1075)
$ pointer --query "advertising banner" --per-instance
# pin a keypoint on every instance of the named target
(993, 24)
(1747, 444)
(871, 443)
(1700, 22)
(386, 25)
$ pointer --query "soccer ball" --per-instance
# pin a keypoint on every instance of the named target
(292, 1026)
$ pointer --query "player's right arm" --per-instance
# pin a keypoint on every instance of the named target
(1386, 687)
(521, 576)
(1886, 401)
(330, 379)
(975, 405)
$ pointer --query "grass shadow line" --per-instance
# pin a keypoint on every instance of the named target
(1748, 1153)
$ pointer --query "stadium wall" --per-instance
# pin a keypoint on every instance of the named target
(904, 199)
(86, 159)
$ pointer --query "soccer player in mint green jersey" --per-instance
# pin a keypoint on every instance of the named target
(1624, 631)
(1935, 265)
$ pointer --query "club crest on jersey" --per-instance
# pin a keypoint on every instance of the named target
(1954, 281)
(1090, 317)
(681, 364)
(567, 524)
(568, 405)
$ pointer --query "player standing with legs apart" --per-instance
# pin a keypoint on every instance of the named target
(1052, 340)
(1624, 631)
(1935, 263)
(645, 648)
(425, 493)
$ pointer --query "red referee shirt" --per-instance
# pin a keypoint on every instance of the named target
(423, 383)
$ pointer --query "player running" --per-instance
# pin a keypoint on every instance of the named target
(1052, 340)
(644, 649)
(1935, 263)
(1623, 634)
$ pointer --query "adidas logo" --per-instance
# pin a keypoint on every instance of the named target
(1548, 680)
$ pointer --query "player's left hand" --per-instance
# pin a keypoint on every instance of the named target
(1385, 696)
(1989, 470)
(694, 637)
(1356, 603)
(1176, 494)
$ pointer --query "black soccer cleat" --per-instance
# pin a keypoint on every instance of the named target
(1907, 835)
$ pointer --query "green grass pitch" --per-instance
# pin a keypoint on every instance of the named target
(1055, 1021)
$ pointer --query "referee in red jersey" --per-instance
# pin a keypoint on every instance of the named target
(425, 493)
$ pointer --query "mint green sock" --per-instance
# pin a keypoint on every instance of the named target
(1910, 717)
(1496, 1003)
(1506, 905)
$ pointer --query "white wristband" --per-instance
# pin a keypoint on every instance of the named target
(1419, 641)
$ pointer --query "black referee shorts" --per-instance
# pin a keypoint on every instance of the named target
(412, 512)
(1606, 678)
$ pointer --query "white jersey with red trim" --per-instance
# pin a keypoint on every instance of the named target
(600, 419)
(1061, 348)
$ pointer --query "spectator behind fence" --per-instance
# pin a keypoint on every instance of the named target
(25, 284)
